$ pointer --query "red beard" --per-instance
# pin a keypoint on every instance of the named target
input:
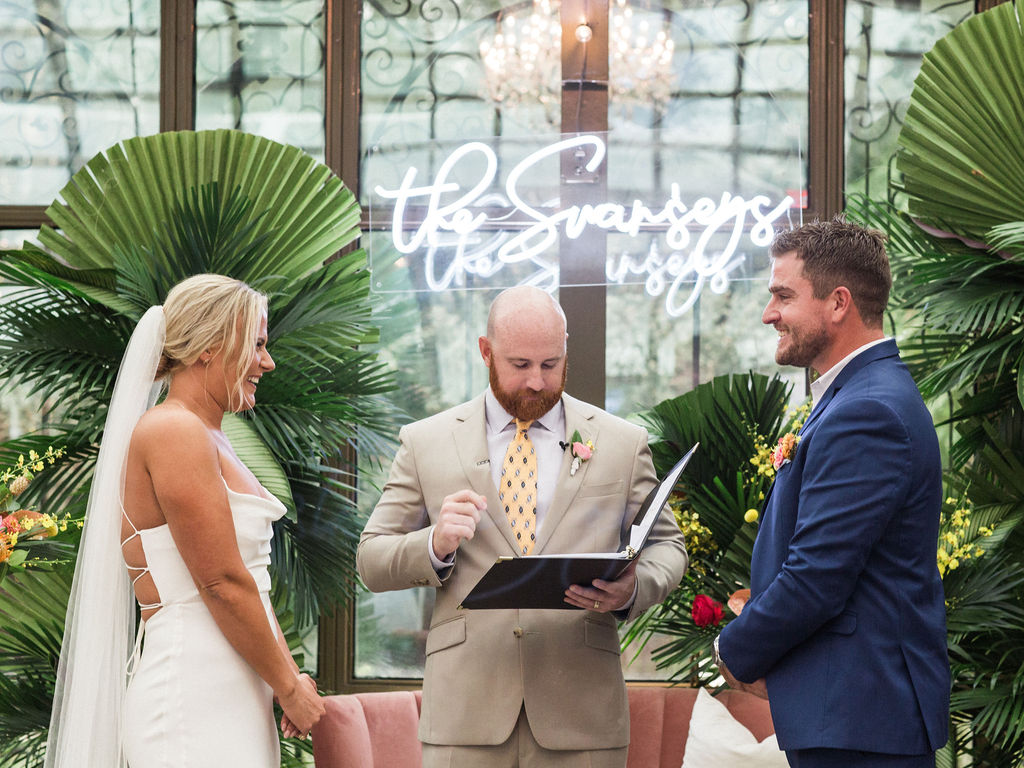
(526, 405)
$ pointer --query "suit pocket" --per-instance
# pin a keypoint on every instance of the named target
(446, 634)
(600, 635)
(605, 489)
(843, 624)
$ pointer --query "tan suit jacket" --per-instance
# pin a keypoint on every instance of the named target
(483, 665)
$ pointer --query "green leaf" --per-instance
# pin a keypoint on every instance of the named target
(959, 150)
(1020, 380)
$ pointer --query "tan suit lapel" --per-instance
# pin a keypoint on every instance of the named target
(578, 416)
(470, 435)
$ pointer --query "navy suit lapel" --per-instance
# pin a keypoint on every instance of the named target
(879, 351)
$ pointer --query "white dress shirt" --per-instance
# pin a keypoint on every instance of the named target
(823, 382)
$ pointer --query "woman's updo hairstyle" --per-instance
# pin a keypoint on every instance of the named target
(215, 313)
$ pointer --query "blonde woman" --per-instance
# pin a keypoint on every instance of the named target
(188, 529)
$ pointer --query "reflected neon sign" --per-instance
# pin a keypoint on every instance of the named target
(458, 238)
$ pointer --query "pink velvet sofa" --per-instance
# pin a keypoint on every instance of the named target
(378, 730)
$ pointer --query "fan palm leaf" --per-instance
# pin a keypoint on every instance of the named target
(959, 150)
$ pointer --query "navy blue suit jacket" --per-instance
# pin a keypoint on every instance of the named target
(846, 619)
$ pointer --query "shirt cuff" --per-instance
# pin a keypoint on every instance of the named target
(439, 564)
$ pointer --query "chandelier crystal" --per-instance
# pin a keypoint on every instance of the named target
(523, 60)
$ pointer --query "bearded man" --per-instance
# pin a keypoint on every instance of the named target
(845, 630)
(494, 477)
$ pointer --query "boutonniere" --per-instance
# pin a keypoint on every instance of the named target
(783, 452)
(580, 451)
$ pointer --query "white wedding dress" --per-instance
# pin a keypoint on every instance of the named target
(192, 700)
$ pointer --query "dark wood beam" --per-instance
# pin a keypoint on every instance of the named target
(177, 64)
(826, 145)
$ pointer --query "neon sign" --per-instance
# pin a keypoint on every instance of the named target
(458, 236)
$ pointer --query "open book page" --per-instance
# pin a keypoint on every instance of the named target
(649, 511)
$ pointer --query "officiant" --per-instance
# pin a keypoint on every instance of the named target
(521, 469)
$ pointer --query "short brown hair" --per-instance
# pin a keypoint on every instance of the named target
(839, 252)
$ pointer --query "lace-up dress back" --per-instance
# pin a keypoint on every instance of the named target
(193, 701)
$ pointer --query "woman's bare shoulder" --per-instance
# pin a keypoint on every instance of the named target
(170, 429)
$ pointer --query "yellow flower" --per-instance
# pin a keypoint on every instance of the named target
(750, 516)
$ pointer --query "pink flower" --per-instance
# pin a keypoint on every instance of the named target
(582, 450)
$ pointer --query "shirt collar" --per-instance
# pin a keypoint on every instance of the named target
(821, 384)
(498, 419)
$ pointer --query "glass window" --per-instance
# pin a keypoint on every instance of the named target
(260, 68)
(885, 40)
(729, 93)
(75, 78)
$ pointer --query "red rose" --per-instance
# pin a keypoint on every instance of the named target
(706, 611)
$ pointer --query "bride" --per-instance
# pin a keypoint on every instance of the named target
(175, 517)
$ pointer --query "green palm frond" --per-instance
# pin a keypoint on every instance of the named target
(32, 606)
(959, 151)
(962, 310)
(727, 415)
(722, 415)
(130, 194)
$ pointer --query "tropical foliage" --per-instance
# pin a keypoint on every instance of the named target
(960, 302)
(737, 419)
(132, 223)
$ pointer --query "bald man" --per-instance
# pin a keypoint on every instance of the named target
(520, 687)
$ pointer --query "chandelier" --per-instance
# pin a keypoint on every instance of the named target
(523, 58)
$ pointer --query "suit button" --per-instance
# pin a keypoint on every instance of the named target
(518, 631)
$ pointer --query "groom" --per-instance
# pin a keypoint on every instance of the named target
(845, 628)
(512, 687)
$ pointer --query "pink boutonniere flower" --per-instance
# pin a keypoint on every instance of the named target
(783, 452)
(581, 451)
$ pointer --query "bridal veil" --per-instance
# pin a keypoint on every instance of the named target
(85, 726)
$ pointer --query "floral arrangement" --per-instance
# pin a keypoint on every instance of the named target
(581, 451)
(21, 528)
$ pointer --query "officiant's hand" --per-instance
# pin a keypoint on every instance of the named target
(302, 707)
(460, 512)
(605, 596)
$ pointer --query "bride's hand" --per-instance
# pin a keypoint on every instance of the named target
(302, 707)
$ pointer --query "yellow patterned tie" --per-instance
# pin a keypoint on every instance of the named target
(518, 491)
